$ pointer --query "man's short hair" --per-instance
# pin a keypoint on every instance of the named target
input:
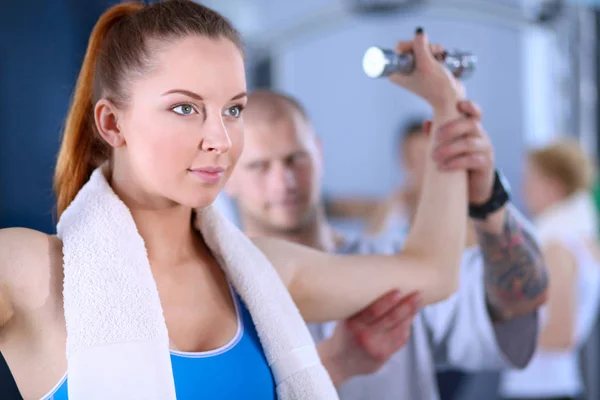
(270, 104)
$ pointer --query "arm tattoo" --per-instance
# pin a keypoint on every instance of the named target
(516, 278)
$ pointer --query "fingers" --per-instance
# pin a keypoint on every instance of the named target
(389, 313)
(429, 79)
(460, 126)
(457, 128)
(438, 51)
(405, 46)
(470, 109)
(389, 331)
(463, 145)
(467, 152)
(436, 48)
(402, 313)
(399, 336)
(470, 162)
(421, 50)
(378, 308)
(389, 341)
(382, 344)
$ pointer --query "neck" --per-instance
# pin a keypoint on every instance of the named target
(169, 235)
(165, 227)
(316, 233)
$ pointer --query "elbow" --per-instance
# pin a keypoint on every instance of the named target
(448, 273)
(527, 306)
(442, 272)
(563, 341)
(444, 283)
(447, 287)
(565, 344)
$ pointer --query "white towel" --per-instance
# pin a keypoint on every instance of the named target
(573, 217)
(117, 339)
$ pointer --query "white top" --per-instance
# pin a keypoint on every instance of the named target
(572, 222)
(557, 373)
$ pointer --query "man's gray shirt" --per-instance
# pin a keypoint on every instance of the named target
(457, 332)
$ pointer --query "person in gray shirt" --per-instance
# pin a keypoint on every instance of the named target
(490, 323)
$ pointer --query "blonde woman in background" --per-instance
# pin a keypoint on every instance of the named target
(556, 191)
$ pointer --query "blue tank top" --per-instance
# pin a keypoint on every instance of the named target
(238, 370)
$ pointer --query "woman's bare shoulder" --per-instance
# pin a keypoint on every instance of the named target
(24, 250)
(27, 261)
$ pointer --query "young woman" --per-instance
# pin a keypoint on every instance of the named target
(556, 191)
(159, 103)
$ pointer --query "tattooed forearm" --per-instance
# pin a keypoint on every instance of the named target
(516, 278)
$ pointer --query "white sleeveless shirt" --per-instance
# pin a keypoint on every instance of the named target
(557, 373)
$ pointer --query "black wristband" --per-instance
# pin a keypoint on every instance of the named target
(499, 198)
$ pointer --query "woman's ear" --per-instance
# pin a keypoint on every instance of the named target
(107, 123)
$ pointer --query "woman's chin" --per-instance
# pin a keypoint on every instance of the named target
(203, 201)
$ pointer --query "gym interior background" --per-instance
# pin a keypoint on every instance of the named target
(537, 78)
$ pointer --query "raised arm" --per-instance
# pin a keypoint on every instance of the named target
(515, 273)
(332, 287)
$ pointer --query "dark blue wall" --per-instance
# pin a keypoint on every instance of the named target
(41, 48)
(42, 45)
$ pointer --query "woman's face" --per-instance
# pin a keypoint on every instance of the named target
(182, 130)
(540, 191)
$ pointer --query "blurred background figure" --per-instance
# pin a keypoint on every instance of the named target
(556, 190)
(276, 187)
(391, 216)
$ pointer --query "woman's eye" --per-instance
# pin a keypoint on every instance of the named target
(184, 109)
(234, 111)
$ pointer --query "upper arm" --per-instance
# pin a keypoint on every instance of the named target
(330, 287)
(23, 255)
(562, 267)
